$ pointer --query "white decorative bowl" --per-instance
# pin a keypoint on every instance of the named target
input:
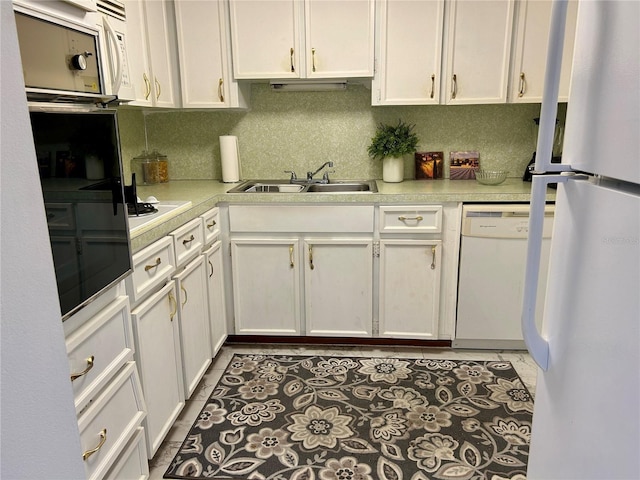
(491, 177)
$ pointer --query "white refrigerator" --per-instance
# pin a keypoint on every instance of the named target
(586, 420)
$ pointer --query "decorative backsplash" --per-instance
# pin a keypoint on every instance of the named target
(301, 130)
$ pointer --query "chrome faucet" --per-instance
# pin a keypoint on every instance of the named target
(325, 177)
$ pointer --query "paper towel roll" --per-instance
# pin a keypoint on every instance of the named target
(230, 158)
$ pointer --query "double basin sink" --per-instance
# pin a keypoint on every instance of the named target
(284, 186)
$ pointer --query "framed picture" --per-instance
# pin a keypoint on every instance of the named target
(429, 165)
(463, 165)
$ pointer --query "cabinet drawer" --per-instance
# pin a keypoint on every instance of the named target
(152, 267)
(411, 219)
(110, 422)
(100, 348)
(307, 218)
(188, 241)
(133, 462)
(211, 224)
(60, 216)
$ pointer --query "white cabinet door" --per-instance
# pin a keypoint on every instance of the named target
(266, 291)
(159, 360)
(137, 51)
(265, 38)
(152, 53)
(409, 288)
(339, 38)
(280, 39)
(203, 53)
(410, 53)
(193, 312)
(215, 289)
(530, 51)
(479, 45)
(162, 53)
(338, 286)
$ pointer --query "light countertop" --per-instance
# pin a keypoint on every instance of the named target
(205, 194)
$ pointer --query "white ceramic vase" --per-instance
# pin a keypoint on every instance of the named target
(393, 169)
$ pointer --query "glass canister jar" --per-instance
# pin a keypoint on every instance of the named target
(154, 167)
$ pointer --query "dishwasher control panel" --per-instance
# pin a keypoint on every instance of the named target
(501, 221)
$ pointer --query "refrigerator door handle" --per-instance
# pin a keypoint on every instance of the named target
(538, 347)
(549, 107)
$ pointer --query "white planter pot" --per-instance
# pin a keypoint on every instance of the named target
(393, 169)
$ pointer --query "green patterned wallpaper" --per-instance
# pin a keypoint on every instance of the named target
(301, 130)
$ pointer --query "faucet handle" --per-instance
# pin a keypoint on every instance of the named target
(325, 177)
(293, 174)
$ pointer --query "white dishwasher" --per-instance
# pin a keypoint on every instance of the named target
(493, 255)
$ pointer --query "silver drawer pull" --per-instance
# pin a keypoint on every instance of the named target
(417, 218)
(85, 371)
(188, 240)
(149, 267)
(103, 439)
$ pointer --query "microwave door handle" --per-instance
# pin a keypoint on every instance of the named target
(111, 36)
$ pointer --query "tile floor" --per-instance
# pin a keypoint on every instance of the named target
(521, 361)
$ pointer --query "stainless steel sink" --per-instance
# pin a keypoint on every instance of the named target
(284, 186)
(343, 187)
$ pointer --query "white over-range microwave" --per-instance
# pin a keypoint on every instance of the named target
(74, 50)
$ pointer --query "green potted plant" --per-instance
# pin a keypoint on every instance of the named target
(390, 144)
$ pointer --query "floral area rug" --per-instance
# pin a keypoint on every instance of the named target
(344, 418)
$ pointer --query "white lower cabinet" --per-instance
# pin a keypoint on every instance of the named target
(418, 270)
(193, 315)
(133, 464)
(409, 300)
(108, 397)
(157, 336)
(266, 285)
(110, 422)
(338, 279)
(215, 289)
(302, 269)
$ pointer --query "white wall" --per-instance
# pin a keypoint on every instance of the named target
(39, 432)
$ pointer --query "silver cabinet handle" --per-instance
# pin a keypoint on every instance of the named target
(417, 218)
(211, 265)
(433, 83)
(311, 266)
(523, 85)
(313, 59)
(211, 225)
(291, 264)
(293, 68)
(433, 257)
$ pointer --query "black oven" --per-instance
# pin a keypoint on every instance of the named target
(78, 155)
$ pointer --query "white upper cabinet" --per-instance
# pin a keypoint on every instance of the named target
(478, 51)
(339, 38)
(290, 39)
(409, 52)
(203, 52)
(265, 38)
(152, 53)
(530, 51)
